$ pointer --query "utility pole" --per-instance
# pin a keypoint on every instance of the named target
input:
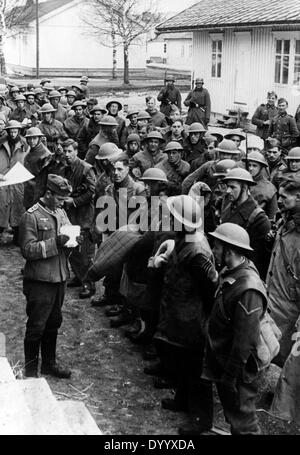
(37, 39)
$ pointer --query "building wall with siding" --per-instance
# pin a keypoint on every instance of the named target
(258, 75)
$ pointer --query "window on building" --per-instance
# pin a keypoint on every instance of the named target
(182, 50)
(297, 63)
(282, 61)
(165, 48)
(216, 66)
(190, 50)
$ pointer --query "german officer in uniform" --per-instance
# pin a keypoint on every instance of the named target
(45, 276)
(283, 126)
(264, 114)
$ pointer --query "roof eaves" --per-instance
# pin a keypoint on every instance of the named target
(58, 10)
(222, 26)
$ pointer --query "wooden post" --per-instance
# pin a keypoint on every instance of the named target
(37, 39)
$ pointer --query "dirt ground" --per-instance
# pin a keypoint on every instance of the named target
(107, 370)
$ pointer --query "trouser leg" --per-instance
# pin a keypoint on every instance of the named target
(112, 285)
(192, 390)
(240, 407)
(43, 309)
(31, 352)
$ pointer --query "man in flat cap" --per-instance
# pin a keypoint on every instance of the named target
(45, 275)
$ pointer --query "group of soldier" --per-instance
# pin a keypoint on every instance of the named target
(193, 294)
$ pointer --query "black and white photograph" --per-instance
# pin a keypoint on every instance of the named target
(150, 220)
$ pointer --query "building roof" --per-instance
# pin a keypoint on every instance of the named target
(21, 15)
(169, 36)
(215, 14)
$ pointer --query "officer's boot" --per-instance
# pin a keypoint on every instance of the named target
(48, 351)
(16, 236)
(31, 351)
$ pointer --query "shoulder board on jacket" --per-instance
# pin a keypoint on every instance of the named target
(33, 208)
(263, 105)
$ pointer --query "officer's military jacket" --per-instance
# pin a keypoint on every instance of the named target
(38, 230)
(283, 127)
(263, 113)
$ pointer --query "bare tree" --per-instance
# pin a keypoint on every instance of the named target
(2, 35)
(11, 13)
(120, 23)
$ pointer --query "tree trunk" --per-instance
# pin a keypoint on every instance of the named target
(2, 34)
(114, 45)
(126, 64)
(2, 58)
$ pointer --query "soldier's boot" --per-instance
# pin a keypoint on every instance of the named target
(31, 352)
(48, 351)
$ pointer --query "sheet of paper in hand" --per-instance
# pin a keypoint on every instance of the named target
(17, 174)
(72, 232)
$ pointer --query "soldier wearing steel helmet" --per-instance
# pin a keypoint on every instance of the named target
(107, 133)
(84, 84)
(113, 108)
(37, 162)
(13, 92)
(71, 98)
(75, 125)
(239, 207)
(175, 168)
(133, 144)
(231, 358)
(264, 192)
(51, 128)
(32, 107)
(186, 299)
(61, 113)
(199, 104)
(169, 96)
(79, 91)
(194, 145)
(205, 173)
(132, 127)
(292, 165)
(21, 112)
(274, 158)
(39, 96)
(152, 153)
(88, 133)
(12, 150)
